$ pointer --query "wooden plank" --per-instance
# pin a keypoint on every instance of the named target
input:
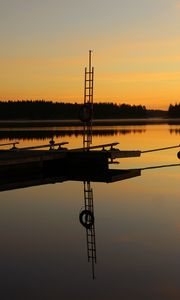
(8, 158)
(42, 146)
(7, 144)
(124, 153)
(96, 147)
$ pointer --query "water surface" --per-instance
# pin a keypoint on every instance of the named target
(43, 253)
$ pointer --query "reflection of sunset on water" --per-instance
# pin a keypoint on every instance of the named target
(136, 220)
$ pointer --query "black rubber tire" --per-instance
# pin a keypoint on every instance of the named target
(85, 113)
(86, 218)
(178, 154)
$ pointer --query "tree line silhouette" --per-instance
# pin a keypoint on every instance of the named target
(174, 111)
(48, 110)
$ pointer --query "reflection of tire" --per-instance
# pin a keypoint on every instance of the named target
(86, 218)
(85, 113)
(178, 154)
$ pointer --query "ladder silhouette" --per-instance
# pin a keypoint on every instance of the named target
(88, 103)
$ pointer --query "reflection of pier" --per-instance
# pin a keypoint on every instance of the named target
(16, 178)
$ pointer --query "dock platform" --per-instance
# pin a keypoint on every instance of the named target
(57, 154)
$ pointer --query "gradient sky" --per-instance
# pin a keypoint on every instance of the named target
(136, 50)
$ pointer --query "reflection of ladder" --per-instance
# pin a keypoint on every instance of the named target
(90, 230)
(88, 103)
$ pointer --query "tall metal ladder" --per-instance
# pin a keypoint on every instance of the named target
(88, 102)
(87, 141)
(90, 231)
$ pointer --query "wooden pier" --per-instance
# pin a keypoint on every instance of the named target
(57, 156)
(81, 157)
(36, 165)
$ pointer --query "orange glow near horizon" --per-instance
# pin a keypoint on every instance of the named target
(63, 80)
(152, 89)
(136, 61)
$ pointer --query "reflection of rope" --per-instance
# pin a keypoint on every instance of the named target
(158, 167)
(153, 150)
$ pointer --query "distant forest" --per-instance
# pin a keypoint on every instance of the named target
(174, 111)
(47, 110)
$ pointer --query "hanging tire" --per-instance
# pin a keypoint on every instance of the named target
(178, 154)
(85, 113)
(86, 218)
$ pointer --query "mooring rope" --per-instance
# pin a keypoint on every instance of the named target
(158, 167)
(160, 149)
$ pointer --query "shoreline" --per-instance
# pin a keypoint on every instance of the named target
(97, 122)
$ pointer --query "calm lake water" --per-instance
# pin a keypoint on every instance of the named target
(43, 250)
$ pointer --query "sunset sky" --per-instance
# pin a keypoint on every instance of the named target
(136, 50)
